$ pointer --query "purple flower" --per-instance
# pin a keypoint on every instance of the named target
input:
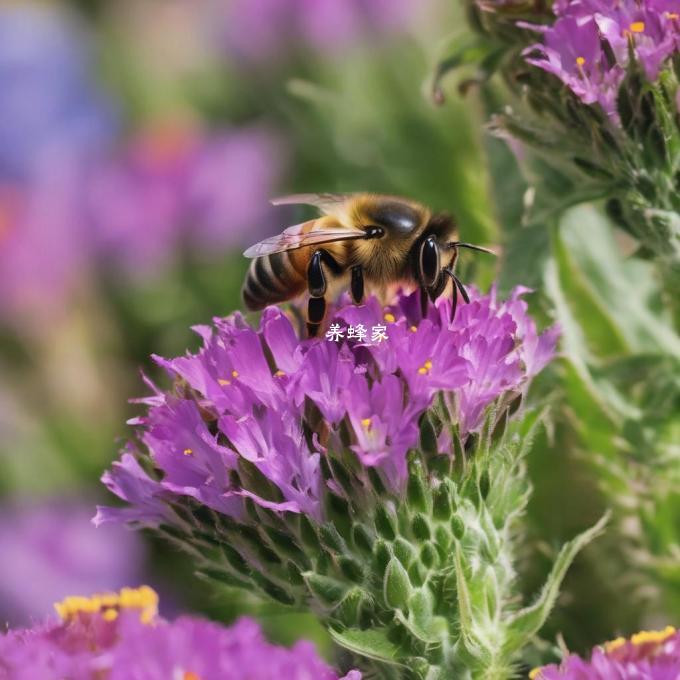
(649, 655)
(52, 548)
(261, 400)
(128, 480)
(384, 429)
(135, 197)
(53, 121)
(175, 186)
(118, 636)
(233, 175)
(206, 651)
(572, 51)
(588, 47)
(44, 249)
(68, 202)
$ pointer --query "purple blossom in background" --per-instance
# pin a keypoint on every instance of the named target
(49, 103)
(233, 176)
(212, 652)
(264, 397)
(135, 197)
(53, 120)
(649, 655)
(133, 211)
(44, 248)
(260, 29)
(176, 186)
(118, 636)
(51, 548)
(588, 45)
(69, 201)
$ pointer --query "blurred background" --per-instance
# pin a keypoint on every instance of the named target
(140, 143)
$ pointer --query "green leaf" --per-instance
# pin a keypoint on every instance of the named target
(523, 625)
(416, 489)
(524, 258)
(599, 333)
(421, 622)
(396, 586)
(613, 295)
(372, 643)
(385, 523)
(349, 611)
(404, 551)
(463, 592)
(574, 345)
(326, 589)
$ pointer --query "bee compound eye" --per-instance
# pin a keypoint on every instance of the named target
(429, 262)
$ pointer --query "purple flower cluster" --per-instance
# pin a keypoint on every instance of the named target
(265, 398)
(590, 44)
(648, 655)
(259, 29)
(177, 186)
(73, 195)
(117, 636)
(53, 117)
(132, 211)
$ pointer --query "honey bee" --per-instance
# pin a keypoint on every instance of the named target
(361, 239)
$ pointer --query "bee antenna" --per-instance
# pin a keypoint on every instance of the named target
(460, 244)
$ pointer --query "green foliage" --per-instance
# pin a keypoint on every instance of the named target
(621, 368)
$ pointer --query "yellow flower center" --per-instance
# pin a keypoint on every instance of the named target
(653, 636)
(580, 61)
(414, 329)
(425, 368)
(226, 381)
(389, 317)
(366, 423)
(188, 452)
(143, 599)
(535, 673)
(672, 15)
(279, 374)
(644, 637)
(613, 645)
(637, 27)
(188, 675)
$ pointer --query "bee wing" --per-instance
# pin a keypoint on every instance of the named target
(301, 235)
(327, 203)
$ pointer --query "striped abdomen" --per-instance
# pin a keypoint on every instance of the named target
(275, 278)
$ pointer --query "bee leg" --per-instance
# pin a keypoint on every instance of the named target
(316, 279)
(316, 310)
(457, 286)
(316, 284)
(357, 286)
